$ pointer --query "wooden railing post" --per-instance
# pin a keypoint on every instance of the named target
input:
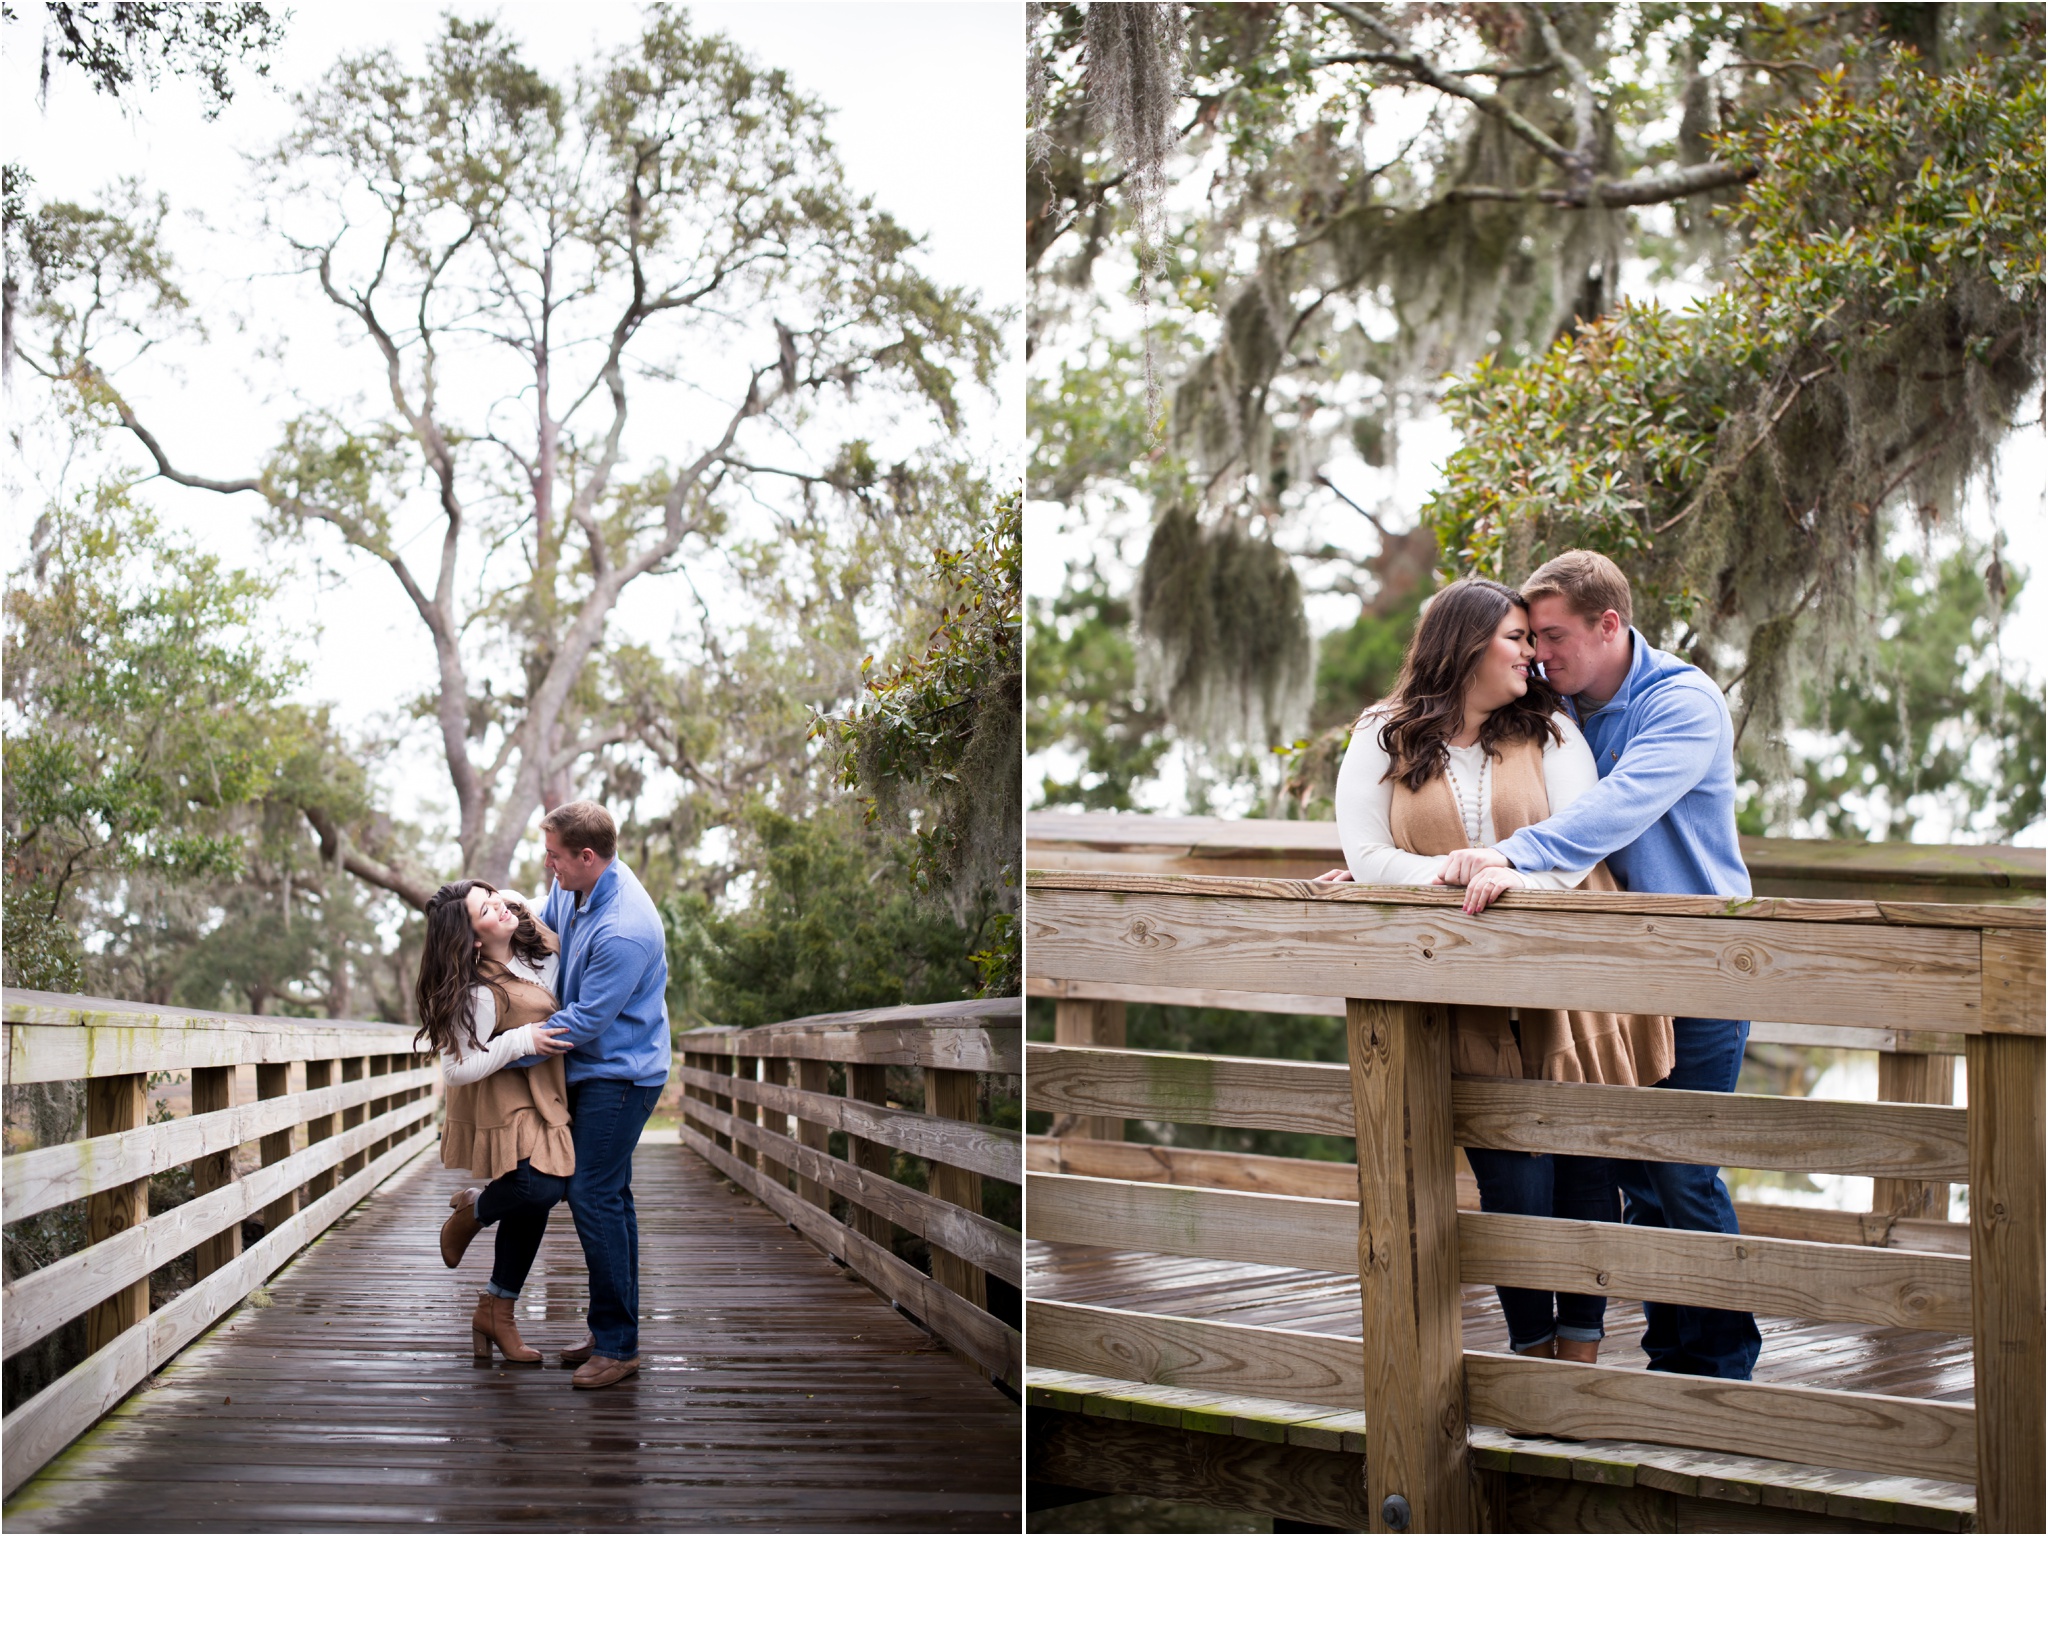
(114, 1103)
(723, 1103)
(1417, 1469)
(318, 1075)
(807, 1075)
(748, 1113)
(1911, 1076)
(352, 1068)
(380, 1105)
(869, 1082)
(273, 1079)
(691, 1095)
(2006, 1279)
(1090, 1022)
(952, 1094)
(213, 1092)
(776, 1071)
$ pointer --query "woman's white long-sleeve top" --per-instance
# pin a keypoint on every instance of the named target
(1365, 799)
(466, 1068)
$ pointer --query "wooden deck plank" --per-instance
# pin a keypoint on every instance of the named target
(775, 1394)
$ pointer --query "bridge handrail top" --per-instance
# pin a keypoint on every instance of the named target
(1966, 916)
(1001, 1016)
(33, 1007)
(1110, 832)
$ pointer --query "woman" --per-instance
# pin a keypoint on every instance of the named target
(1468, 748)
(485, 987)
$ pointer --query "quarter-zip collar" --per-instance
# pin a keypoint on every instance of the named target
(1638, 668)
(602, 893)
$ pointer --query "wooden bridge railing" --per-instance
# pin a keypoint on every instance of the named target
(1395, 959)
(367, 1105)
(758, 1104)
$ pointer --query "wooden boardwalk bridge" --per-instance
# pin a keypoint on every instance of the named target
(1241, 1329)
(320, 1379)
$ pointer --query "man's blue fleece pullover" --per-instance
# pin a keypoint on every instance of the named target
(1663, 816)
(613, 982)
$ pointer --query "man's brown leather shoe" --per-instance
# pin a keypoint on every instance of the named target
(461, 1225)
(572, 1356)
(604, 1372)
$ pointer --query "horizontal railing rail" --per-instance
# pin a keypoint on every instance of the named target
(366, 1105)
(1397, 958)
(1323, 1179)
(1150, 843)
(759, 1106)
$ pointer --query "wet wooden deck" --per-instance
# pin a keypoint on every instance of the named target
(775, 1394)
(1796, 1352)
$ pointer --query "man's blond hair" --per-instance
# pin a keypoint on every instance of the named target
(583, 826)
(1589, 583)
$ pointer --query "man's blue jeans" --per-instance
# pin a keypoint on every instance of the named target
(1693, 1340)
(1564, 1186)
(605, 1118)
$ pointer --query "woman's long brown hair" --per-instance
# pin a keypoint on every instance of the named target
(1427, 706)
(450, 966)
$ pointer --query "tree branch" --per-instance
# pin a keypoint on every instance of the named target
(1658, 188)
(1418, 67)
(335, 848)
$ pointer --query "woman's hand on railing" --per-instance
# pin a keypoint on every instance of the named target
(1487, 885)
(1333, 877)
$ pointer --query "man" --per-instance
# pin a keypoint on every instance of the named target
(1663, 818)
(613, 1023)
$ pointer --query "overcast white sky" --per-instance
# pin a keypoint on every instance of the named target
(928, 97)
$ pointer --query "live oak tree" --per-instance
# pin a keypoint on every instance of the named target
(155, 771)
(1391, 192)
(609, 323)
(933, 744)
(114, 45)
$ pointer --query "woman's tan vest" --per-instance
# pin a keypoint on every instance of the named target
(1588, 1047)
(517, 1113)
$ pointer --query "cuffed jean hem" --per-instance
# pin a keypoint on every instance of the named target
(1533, 1346)
(491, 1288)
(1572, 1332)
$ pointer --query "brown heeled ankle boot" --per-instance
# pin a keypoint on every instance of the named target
(461, 1225)
(493, 1325)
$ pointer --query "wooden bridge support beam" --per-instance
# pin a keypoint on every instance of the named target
(869, 1082)
(1912, 1076)
(1091, 1022)
(1418, 1476)
(2007, 1222)
(116, 1102)
(212, 1092)
(813, 1076)
(353, 1068)
(952, 1094)
(273, 1079)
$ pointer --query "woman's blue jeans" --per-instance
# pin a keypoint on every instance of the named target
(519, 1202)
(606, 1116)
(1565, 1186)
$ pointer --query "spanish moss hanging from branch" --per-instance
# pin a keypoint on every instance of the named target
(1224, 644)
(1132, 60)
